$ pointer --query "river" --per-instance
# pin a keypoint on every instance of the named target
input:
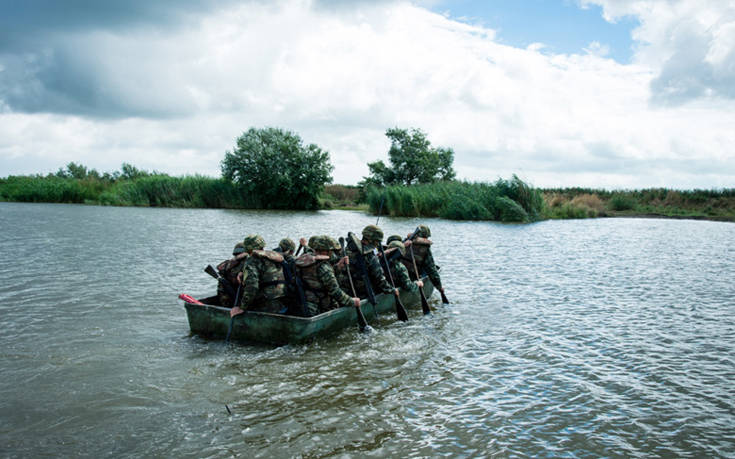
(603, 337)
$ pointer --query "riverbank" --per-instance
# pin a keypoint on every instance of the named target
(504, 200)
(717, 205)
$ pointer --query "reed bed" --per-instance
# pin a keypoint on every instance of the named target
(504, 200)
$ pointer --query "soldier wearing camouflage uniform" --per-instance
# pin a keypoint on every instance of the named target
(394, 251)
(286, 248)
(422, 254)
(229, 269)
(372, 235)
(263, 282)
(321, 290)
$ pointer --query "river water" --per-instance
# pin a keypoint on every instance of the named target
(606, 337)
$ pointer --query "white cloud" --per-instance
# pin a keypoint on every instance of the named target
(341, 77)
(689, 44)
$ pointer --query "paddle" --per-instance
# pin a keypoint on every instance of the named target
(356, 247)
(424, 304)
(298, 249)
(232, 319)
(361, 321)
(400, 310)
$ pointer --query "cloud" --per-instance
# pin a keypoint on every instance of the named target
(690, 45)
(173, 96)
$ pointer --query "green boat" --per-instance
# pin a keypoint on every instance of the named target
(210, 320)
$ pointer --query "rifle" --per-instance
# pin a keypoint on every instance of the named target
(292, 279)
(361, 321)
(225, 283)
(400, 309)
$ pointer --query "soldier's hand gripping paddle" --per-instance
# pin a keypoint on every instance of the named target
(361, 321)
(400, 309)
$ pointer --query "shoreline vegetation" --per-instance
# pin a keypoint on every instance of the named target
(509, 200)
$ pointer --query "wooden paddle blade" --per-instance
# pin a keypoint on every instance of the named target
(444, 298)
(400, 309)
(424, 304)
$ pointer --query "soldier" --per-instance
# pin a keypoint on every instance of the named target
(371, 237)
(422, 254)
(263, 282)
(229, 270)
(321, 290)
(286, 248)
(394, 251)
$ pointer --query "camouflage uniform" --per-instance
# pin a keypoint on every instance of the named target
(321, 290)
(264, 285)
(397, 268)
(421, 249)
(371, 234)
(229, 269)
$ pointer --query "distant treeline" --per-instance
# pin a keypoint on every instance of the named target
(663, 202)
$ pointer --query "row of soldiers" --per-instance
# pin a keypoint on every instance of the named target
(329, 274)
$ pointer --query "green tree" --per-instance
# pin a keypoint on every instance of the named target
(412, 160)
(276, 168)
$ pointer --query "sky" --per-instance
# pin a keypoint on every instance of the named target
(615, 94)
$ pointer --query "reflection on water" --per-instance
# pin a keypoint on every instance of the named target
(609, 337)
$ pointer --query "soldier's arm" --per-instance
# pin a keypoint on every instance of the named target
(431, 270)
(250, 284)
(401, 277)
(329, 282)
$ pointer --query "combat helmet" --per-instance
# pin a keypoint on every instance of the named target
(372, 233)
(392, 238)
(239, 248)
(397, 245)
(332, 242)
(286, 244)
(253, 242)
(319, 243)
(423, 231)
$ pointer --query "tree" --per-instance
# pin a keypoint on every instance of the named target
(412, 160)
(276, 168)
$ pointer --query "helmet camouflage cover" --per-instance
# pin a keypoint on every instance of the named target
(319, 243)
(399, 245)
(312, 241)
(333, 244)
(239, 248)
(423, 231)
(372, 233)
(253, 242)
(286, 244)
(392, 238)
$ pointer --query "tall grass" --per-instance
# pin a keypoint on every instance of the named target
(148, 191)
(504, 200)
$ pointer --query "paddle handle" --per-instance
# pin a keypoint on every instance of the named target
(424, 304)
(361, 321)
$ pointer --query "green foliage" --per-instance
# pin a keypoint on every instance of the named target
(505, 200)
(620, 202)
(412, 161)
(277, 170)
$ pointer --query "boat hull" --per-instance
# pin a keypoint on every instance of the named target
(213, 321)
